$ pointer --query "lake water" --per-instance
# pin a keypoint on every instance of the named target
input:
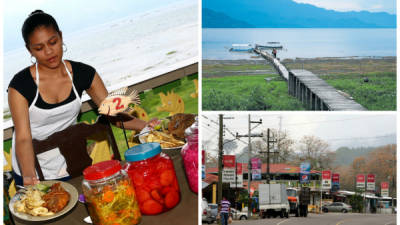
(301, 42)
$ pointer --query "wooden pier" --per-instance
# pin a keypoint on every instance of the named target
(275, 62)
(316, 94)
(311, 90)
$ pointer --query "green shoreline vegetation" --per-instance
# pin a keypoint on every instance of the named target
(254, 84)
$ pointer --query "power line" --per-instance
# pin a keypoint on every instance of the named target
(328, 121)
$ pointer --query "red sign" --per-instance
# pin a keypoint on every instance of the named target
(229, 161)
(335, 178)
(360, 178)
(384, 185)
(326, 175)
(239, 168)
(251, 191)
(371, 178)
(203, 157)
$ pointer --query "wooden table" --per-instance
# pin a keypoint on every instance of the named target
(185, 213)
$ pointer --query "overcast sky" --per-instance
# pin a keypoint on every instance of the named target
(388, 6)
(71, 15)
(352, 130)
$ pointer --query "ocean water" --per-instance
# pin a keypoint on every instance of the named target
(301, 42)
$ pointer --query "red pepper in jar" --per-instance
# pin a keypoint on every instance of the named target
(153, 176)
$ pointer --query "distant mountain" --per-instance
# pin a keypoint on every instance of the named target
(223, 20)
(286, 14)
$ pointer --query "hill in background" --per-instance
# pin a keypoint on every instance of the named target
(345, 155)
(286, 14)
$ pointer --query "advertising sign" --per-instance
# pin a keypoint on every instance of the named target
(305, 172)
(228, 173)
(335, 182)
(385, 189)
(326, 179)
(360, 181)
(256, 168)
(239, 177)
(371, 182)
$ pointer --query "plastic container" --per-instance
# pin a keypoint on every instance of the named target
(153, 175)
(109, 194)
(190, 156)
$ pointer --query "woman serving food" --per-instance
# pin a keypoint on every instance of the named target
(45, 98)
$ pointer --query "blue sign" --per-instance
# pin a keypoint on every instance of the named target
(305, 172)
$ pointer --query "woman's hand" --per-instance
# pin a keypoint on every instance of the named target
(30, 181)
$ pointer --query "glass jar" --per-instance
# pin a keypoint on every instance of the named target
(109, 194)
(153, 176)
(190, 156)
(190, 161)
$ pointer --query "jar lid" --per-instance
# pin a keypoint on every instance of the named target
(143, 151)
(101, 170)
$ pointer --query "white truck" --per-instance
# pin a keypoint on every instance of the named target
(273, 200)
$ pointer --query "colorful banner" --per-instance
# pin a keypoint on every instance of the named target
(256, 168)
(371, 182)
(326, 179)
(228, 173)
(360, 181)
(305, 172)
(385, 189)
(335, 182)
(238, 183)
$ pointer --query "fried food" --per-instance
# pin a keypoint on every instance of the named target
(56, 199)
(31, 202)
(165, 140)
(178, 124)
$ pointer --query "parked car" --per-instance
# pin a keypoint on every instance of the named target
(238, 215)
(337, 207)
(206, 212)
(213, 211)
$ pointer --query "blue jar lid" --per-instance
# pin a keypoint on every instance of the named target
(142, 152)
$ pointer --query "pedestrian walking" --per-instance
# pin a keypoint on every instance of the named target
(224, 210)
(274, 52)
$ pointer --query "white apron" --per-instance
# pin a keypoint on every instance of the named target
(45, 122)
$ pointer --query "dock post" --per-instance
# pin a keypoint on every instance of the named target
(309, 99)
(318, 107)
(312, 101)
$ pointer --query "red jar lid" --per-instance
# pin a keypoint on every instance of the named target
(101, 170)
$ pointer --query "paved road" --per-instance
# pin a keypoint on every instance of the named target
(326, 219)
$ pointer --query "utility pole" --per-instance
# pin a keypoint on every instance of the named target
(249, 162)
(269, 140)
(220, 155)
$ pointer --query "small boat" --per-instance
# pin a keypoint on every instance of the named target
(270, 45)
(241, 48)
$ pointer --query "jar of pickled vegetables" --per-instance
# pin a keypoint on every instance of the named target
(190, 156)
(109, 194)
(153, 175)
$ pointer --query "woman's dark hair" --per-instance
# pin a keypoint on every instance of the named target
(37, 19)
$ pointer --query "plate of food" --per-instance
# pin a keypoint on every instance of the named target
(167, 141)
(170, 135)
(45, 201)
